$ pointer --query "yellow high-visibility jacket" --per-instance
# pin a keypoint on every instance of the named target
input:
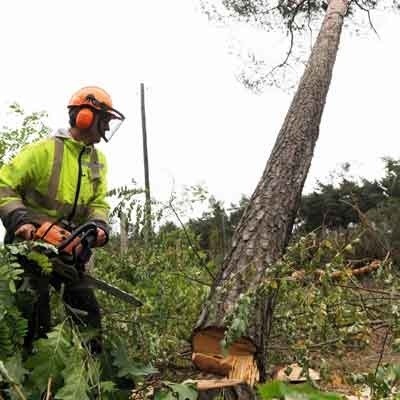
(41, 183)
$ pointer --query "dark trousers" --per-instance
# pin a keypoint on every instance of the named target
(79, 298)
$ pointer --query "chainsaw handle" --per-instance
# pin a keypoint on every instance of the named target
(85, 228)
(89, 238)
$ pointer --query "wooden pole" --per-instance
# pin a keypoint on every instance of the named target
(123, 233)
(147, 216)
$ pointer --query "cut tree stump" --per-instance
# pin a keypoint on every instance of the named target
(237, 363)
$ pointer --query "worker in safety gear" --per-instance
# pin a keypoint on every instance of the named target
(61, 179)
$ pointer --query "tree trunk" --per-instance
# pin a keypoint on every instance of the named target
(265, 228)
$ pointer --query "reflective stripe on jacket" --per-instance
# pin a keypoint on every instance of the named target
(43, 179)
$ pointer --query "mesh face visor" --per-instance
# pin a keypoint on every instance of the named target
(110, 121)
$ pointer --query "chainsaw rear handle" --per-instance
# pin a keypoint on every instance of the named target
(89, 238)
(87, 242)
(89, 231)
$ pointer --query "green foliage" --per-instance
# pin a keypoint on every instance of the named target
(80, 374)
(313, 309)
(369, 208)
(75, 384)
(236, 323)
(342, 202)
(126, 366)
(41, 260)
(25, 129)
(323, 311)
(331, 205)
(59, 362)
(127, 201)
(166, 276)
(216, 226)
(384, 230)
(280, 390)
(176, 391)
(50, 358)
(12, 325)
(16, 372)
(383, 382)
(60, 358)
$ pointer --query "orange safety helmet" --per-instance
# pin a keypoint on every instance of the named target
(92, 99)
(83, 97)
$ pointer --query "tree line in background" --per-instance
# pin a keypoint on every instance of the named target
(338, 205)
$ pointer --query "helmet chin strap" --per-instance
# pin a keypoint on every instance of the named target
(104, 138)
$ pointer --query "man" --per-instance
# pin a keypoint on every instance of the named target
(61, 179)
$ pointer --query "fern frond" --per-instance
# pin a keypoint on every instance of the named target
(51, 357)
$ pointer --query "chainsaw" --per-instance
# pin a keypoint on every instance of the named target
(74, 249)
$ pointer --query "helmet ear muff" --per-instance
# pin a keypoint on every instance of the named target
(84, 118)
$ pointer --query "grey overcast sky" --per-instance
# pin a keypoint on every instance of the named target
(203, 125)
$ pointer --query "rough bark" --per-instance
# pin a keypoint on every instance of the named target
(265, 228)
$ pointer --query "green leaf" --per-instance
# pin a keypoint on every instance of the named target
(41, 260)
(177, 391)
(16, 369)
(11, 286)
(75, 384)
(136, 370)
(164, 395)
(50, 358)
(285, 391)
(183, 391)
(4, 374)
(128, 367)
(107, 386)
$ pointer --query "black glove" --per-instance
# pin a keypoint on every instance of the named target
(103, 226)
(14, 220)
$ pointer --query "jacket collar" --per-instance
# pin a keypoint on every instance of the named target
(64, 133)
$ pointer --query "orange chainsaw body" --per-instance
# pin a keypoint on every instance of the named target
(55, 235)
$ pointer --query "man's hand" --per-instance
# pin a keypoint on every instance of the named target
(101, 237)
(26, 231)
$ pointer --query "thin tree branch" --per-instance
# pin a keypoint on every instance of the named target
(190, 241)
(364, 220)
(390, 295)
(382, 351)
(290, 28)
(312, 346)
(189, 278)
(369, 17)
(291, 33)
(18, 391)
(300, 274)
(309, 23)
